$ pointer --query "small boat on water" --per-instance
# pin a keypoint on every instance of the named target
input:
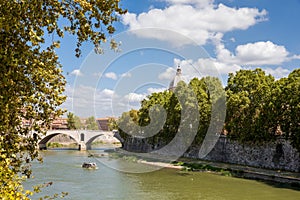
(90, 165)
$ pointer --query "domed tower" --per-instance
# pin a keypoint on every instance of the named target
(176, 79)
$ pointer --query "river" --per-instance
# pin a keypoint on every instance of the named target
(63, 169)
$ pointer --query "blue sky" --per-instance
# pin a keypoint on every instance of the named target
(204, 37)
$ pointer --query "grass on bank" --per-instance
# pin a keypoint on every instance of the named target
(60, 145)
(202, 167)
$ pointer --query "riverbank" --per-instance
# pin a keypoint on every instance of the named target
(292, 179)
(161, 164)
(240, 171)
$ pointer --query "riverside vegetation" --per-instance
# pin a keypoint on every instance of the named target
(258, 108)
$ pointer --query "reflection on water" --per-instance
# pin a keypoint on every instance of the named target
(63, 168)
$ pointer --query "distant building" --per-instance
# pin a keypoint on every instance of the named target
(62, 123)
(176, 79)
(59, 123)
(103, 123)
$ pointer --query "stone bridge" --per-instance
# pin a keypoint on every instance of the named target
(83, 138)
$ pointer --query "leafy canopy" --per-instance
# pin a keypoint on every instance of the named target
(91, 123)
(31, 80)
(258, 109)
(249, 94)
(198, 95)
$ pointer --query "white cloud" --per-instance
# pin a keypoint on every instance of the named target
(212, 67)
(215, 68)
(197, 23)
(199, 68)
(111, 75)
(114, 76)
(126, 75)
(278, 72)
(88, 101)
(168, 74)
(295, 57)
(106, 93)
(76, 72)
(155, 90)
(258, 53)
(134, 97)
(261, 53)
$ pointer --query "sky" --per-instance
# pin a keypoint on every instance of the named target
(203, 37)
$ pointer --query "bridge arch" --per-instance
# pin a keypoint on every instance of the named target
(44, 140)
(90, 141)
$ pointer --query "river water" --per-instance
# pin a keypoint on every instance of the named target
(63, 169)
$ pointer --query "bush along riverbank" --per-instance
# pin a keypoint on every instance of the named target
(198, 167)
(61, 145)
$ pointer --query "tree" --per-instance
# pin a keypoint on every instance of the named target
(162, 117)
(187, 106)
(169, 103)
(205, 96)
(74, 122)
(288, 106)
(71, 121)
(128, 121)
(249, 106)
(112, 123)
(91, 123)
(31, 80)
(78, 123)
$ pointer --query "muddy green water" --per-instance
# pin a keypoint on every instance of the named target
(63, 168)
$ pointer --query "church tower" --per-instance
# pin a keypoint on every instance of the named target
(176, 80)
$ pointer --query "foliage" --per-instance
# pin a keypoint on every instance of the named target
(258, 108)
(288, 105)
(74, 122)
(112, 124)
(169, 102)
(197, 95)
(91, 123)
(209, 91)
(71, 121)
(31, 81)
(78, 123)
(134, 119)
(249, 106)
(128, 120)
(54, 145)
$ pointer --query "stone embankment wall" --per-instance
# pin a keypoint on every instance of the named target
(279, 155)
(273, 155)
